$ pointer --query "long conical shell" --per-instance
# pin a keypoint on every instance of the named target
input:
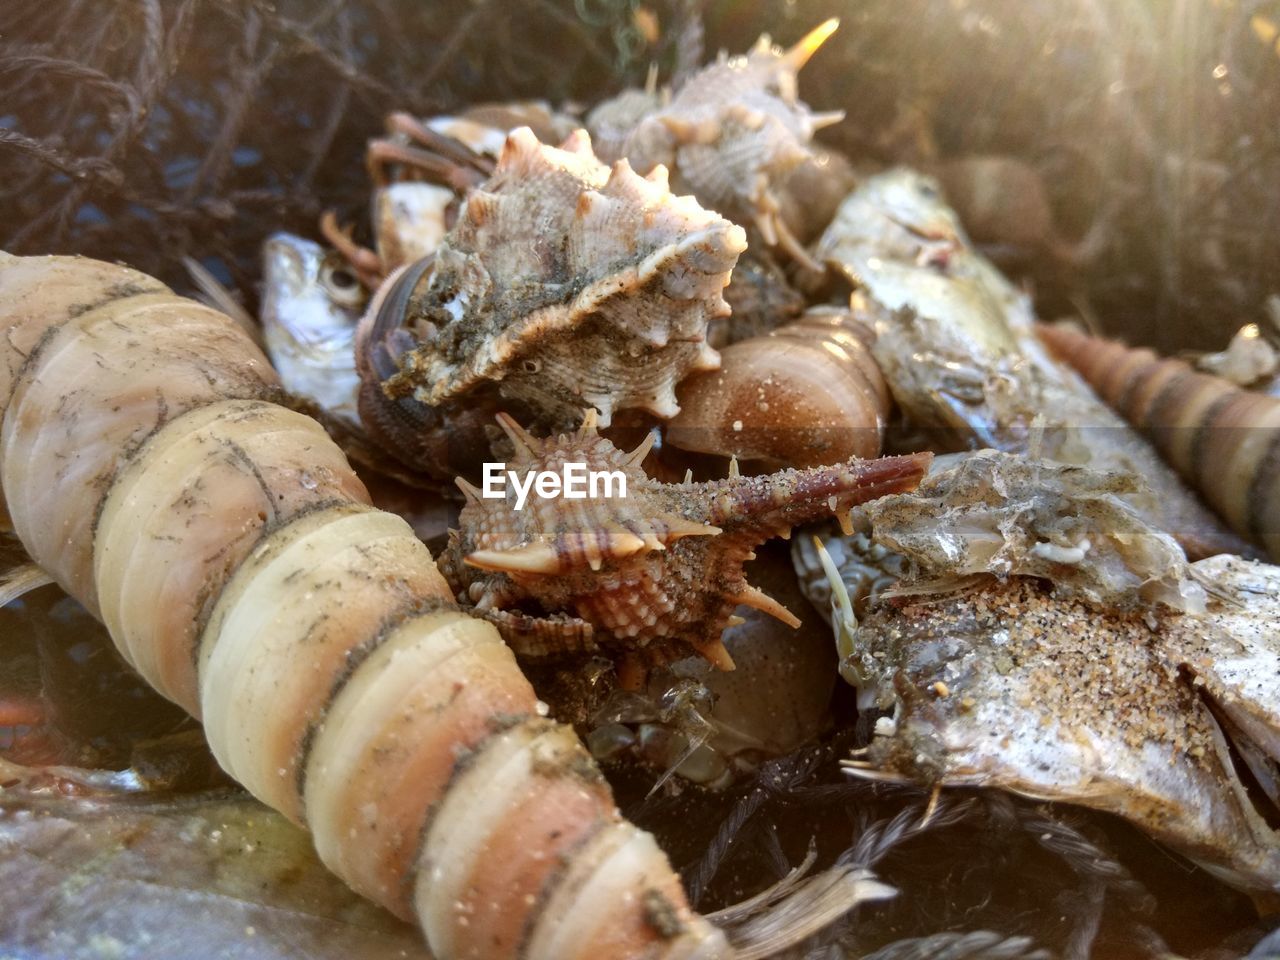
(1225, 441)
(233, 555)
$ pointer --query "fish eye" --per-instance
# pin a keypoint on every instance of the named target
(341, 283)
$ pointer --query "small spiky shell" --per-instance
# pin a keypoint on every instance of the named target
(612, 121)
(734, 130)
(653, 575)
(1224, 440)
(567, 284)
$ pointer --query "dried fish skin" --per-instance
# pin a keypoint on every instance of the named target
(564, 284)
(310, 308)
(1003, 515)
(956, 343)
(1010, 687)
(1237, 663)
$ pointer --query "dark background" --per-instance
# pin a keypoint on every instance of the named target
(138, 130)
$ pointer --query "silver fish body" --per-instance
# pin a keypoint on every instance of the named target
(956, 345)
(1012, 688)
(1044, 639)
(310, 308)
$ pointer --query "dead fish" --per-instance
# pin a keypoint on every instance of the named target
(955, 342)
(986, 515)
(1040, 660)
(998, 514)
(311, 303)
(1010, 687)
(1237, 663)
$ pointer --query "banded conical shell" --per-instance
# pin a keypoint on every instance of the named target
(1224, 440)
(232, 554)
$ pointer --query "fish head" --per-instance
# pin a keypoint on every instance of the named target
(309, 292)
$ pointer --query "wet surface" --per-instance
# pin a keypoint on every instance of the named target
(984, 862)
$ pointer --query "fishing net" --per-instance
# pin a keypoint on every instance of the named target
(146, 131)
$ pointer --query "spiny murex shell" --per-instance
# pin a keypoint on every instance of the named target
(569, 284)
(654, 574)
(732, 132)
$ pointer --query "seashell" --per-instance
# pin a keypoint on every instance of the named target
(1222, 439)
(778, 698)
(650, 576)
(483, 127)
(417, 150)
(866, 568)
(1005, 206)
(808, 393)
(437, 441)
(1249, 360)
(997, 514)
(760, 297)
(733, 131)
(564, 284)
(612, 121)
(810, 194)
(230, 550)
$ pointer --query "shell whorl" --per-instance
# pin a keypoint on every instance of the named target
(1222, 439)
(655, 573)
(732, 133)
(807, 393)
(233, 555)
(567, 283)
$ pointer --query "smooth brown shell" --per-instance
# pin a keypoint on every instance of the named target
(808, 393)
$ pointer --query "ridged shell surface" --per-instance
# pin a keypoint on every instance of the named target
(568, 284)
(732, 132)
(654, 573)
(805, 394)
(1222, 439)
